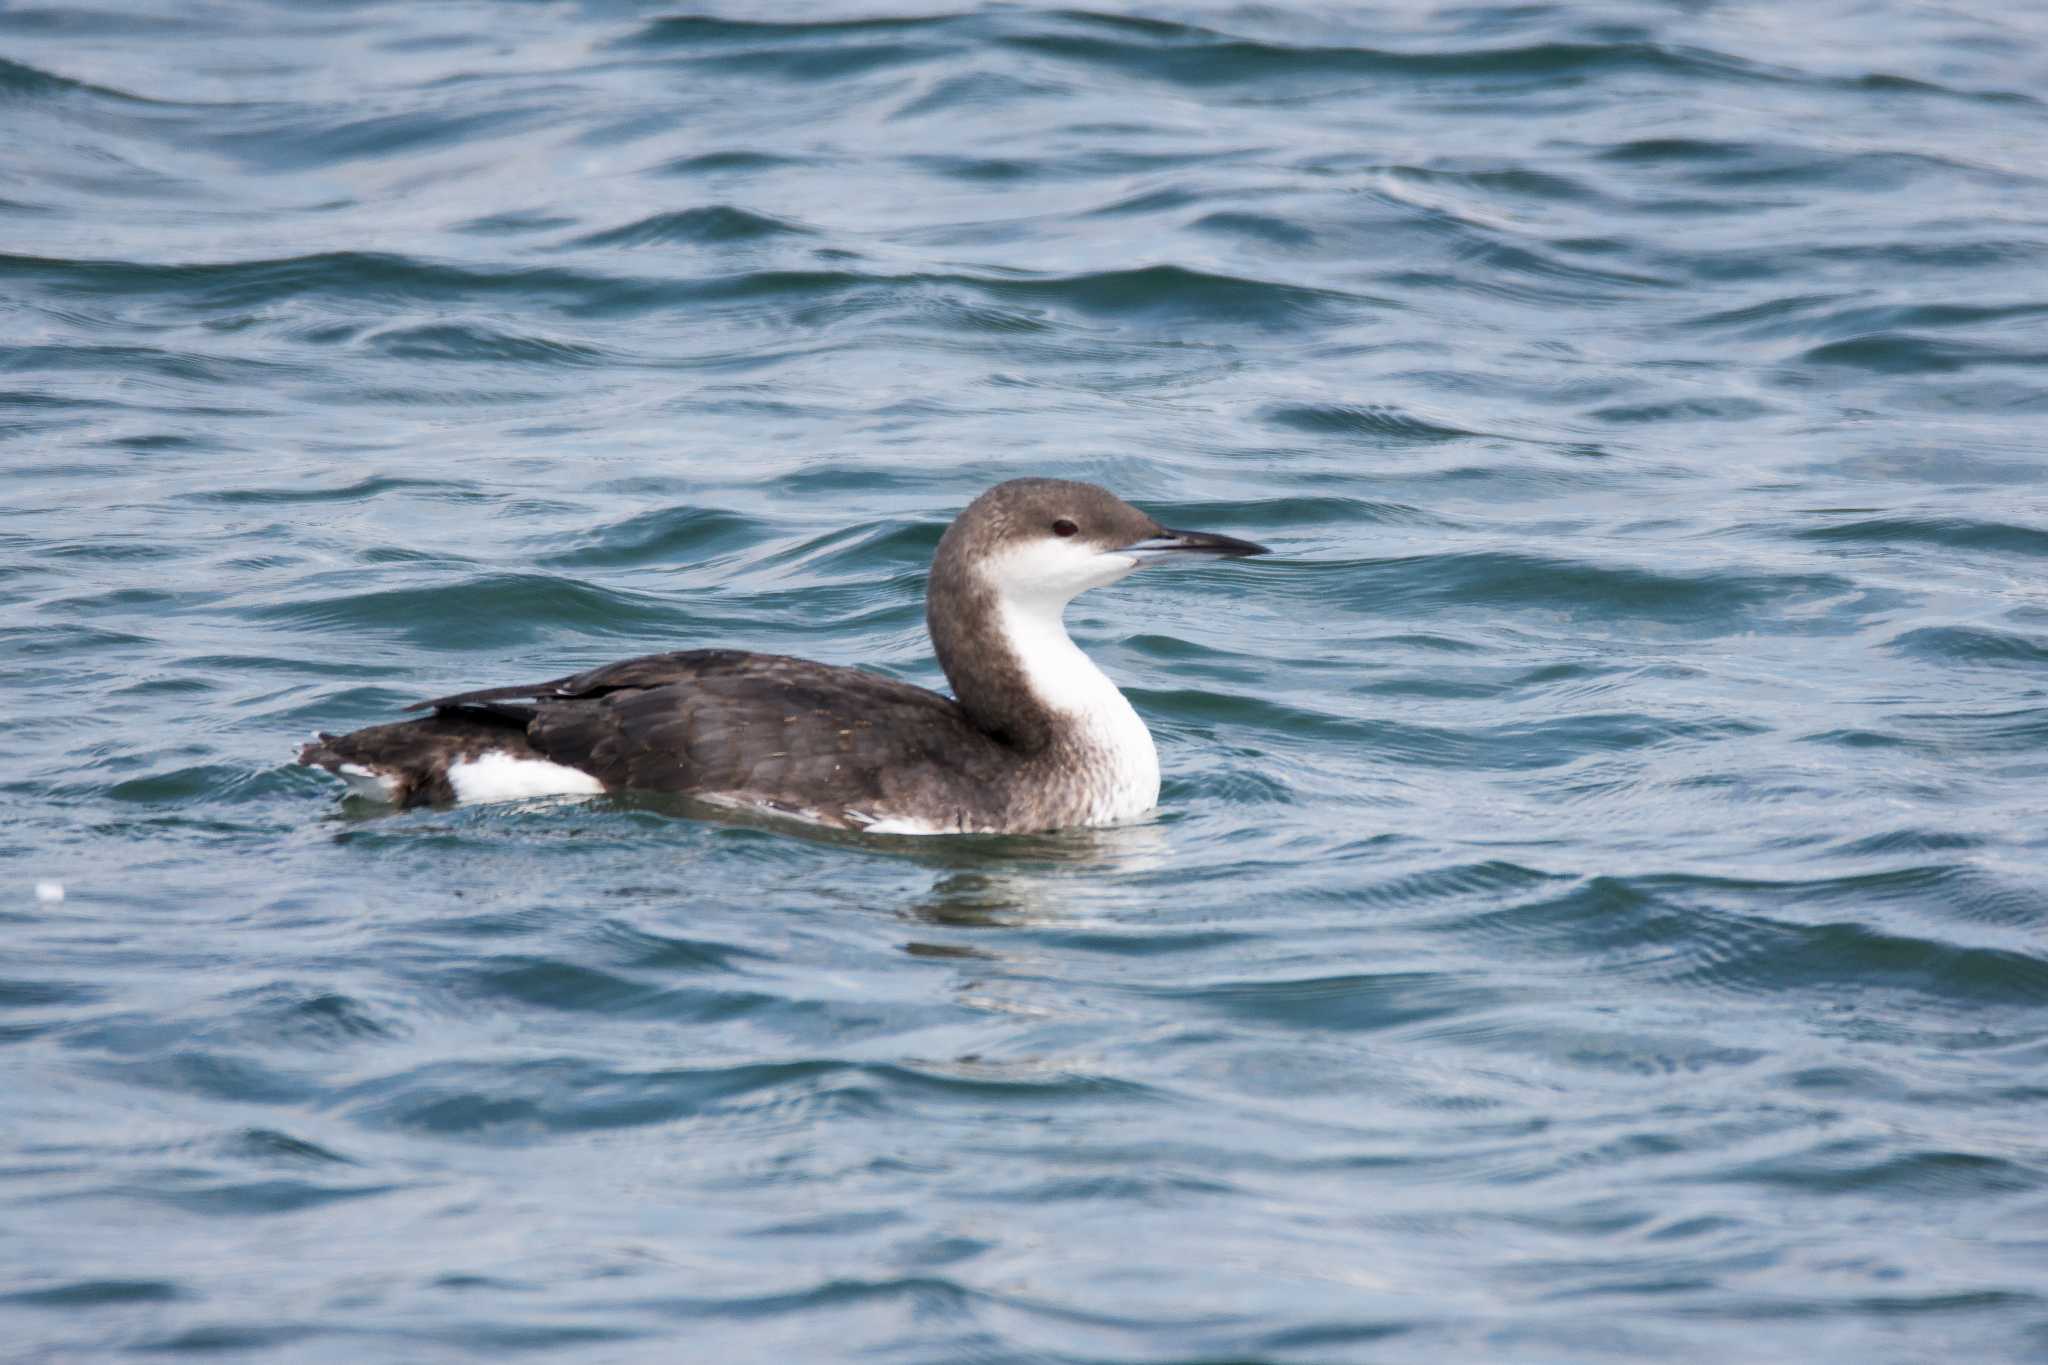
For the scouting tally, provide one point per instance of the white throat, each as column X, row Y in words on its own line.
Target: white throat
column 1122, row 766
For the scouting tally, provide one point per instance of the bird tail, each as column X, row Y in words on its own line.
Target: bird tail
column 407, row 764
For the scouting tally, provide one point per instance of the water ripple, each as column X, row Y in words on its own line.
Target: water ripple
column 711, row 223
column 1600, row 851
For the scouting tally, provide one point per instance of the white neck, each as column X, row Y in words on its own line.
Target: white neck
column 1122, row 766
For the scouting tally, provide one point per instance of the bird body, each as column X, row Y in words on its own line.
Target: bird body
column 1036, row 737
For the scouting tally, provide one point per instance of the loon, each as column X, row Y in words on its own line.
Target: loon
column 1034, row 738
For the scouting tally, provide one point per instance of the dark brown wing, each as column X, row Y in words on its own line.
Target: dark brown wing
column 649, row 670
column 843, row 745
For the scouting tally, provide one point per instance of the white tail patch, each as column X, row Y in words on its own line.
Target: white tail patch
column 499, row 776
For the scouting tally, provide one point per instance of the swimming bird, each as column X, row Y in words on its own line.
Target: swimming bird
column 1035, row 737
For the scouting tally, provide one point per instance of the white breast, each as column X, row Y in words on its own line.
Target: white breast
column 1121, row 765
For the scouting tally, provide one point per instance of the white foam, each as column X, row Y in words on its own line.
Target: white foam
column 49, row 893
column 499, row 776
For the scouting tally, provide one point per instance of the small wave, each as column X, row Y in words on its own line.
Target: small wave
column 72, row 640
column 184, row 365
column 1886, row 81
column 221, row 1338
column 975, row 94
column 1513, row 746
column 690, row 30
column 229, row 1198
column 354, row 275
column 1859, row 321
column 999, row 170
column 191, row 1070
column 313, row 1018
column 1913, row 353
column 1726, row 167
column 1295, row 513
column 272, row 1147
column 1972, row 645
column 491, row 611
column 1910, row 843
column 1949, row 251
column 1373, row 421
column 1149, row 201
column 1723, row 408
column 1952, row 533
column 807, row 52
column 706, row 225
column 41, row 994
column 1151, row 293
column 360, row 491
column 1172, row 291
column 1493, row 185
column 1679, row 149
column 1263, row 227
column 562, row 1094
column 514, row 222
column 672, row 534
column 1702, row 933
column 1704, row 603
column 20, row 81
column 1870, row 1167
column 1197, row 57
column 1517, row 270
column 992, row 170
column 320, row 143
column 2017, row 729
column 114, row 551
column 734, row 161
column 1776, row 958
column 645, row 950
column 478, row 343
column 88, row 1294
column 554, row 984
column 854, row 548
column 1348, row 1004
column 1461, row 884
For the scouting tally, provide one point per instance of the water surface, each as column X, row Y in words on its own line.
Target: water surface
column 1596, row 907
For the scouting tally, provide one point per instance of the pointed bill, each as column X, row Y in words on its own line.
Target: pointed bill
column 1172, row 544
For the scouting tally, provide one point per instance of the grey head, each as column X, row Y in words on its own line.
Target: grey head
column 1008, row 566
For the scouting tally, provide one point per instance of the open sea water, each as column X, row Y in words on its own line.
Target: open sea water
column 1596, row 910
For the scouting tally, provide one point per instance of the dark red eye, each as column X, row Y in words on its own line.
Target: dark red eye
column 1063, row 527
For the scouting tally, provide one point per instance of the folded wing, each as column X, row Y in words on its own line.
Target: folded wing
column 835, row 744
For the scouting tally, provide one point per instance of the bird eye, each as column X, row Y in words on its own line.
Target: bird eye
column 1063, row 527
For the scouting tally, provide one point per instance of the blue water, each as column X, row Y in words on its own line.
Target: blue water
column 1596, row 909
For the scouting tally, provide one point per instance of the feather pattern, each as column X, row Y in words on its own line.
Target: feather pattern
column 1039, row 738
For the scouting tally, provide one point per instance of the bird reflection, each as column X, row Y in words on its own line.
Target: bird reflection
column 1020, row 882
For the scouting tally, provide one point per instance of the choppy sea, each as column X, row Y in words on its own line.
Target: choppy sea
column 1597, row 907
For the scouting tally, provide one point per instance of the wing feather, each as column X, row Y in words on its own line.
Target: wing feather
column 841, row 743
